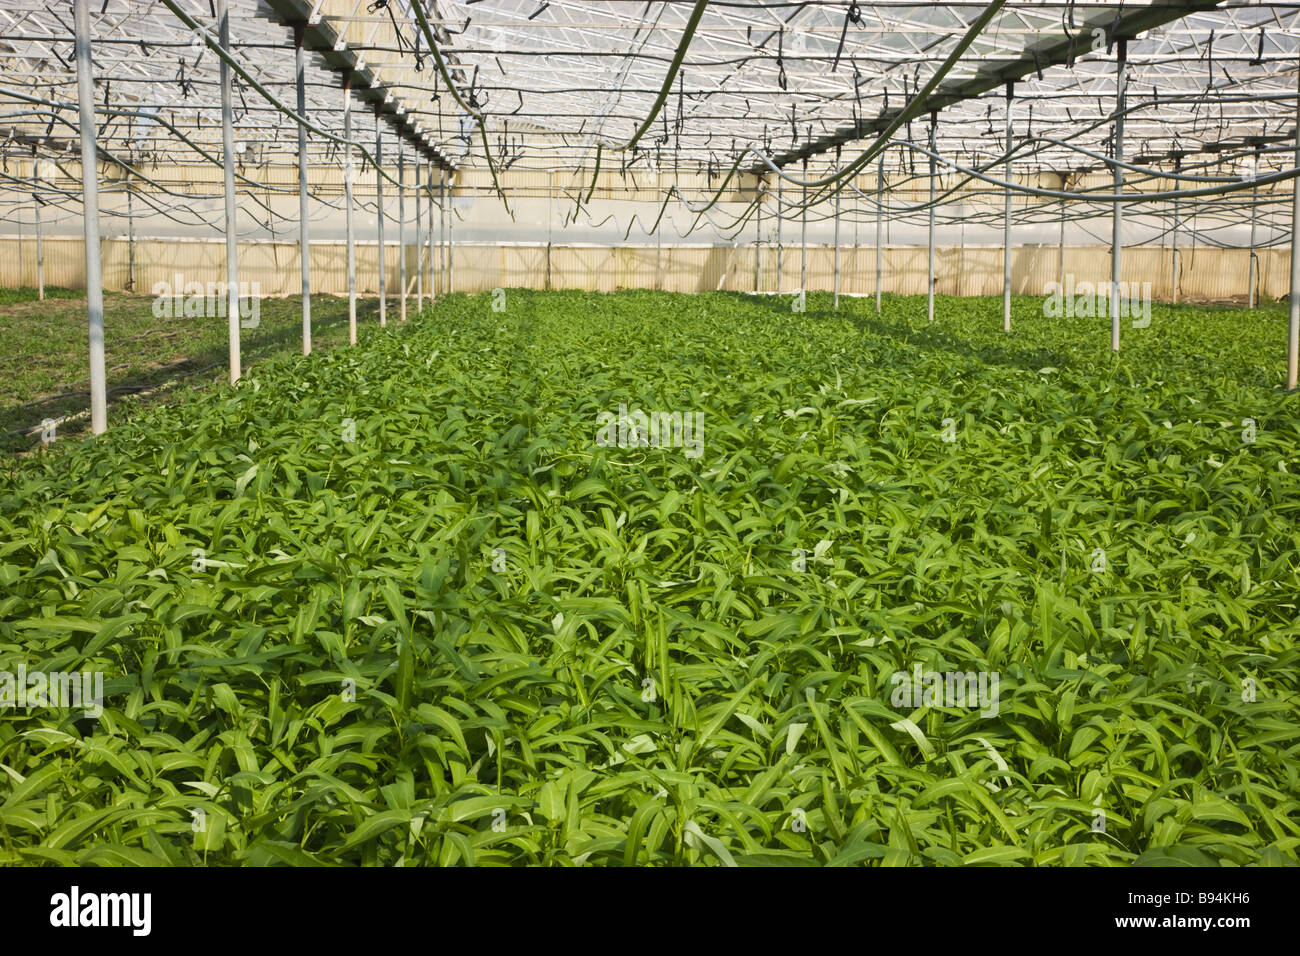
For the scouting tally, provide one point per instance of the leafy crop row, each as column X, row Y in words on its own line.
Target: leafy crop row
column 395, row 604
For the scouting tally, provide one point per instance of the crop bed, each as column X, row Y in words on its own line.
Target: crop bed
column 44, row 371
column 397, row 605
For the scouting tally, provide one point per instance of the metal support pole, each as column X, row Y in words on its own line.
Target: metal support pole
column 419, row 245
column 659, row 243
column 1006, row 226
column 90, row 218
column 401, row 228
column 442, row 232
column 803, row 237
column 451, row 242
column 854, row 269
column 379, row 214
column 659, row 257
column 930, row 285
column 960, row 284
column 130, row 238
column 1253, row 297
column 40, row 253
column 304, row 245
column 550, row 219
column 780, row 214
column 349, row 174
column 1060, row 246
column 433, row 249
column 880, row 209
column 228, row 170
column 1173, row 279
column 1293, row 328
column 837, row 247
column 1117, row 217
column 758, row 239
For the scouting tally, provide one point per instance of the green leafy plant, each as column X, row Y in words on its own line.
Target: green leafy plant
column 395, row 605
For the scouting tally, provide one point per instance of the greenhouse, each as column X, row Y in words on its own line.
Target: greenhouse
column 667, row 433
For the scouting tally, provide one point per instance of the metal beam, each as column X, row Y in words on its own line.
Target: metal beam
column 325, row 42
column 1050, row 49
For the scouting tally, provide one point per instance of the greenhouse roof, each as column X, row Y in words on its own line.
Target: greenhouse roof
column 529, row 84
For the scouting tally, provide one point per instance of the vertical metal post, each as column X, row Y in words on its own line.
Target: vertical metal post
column 451, row 242
column 960, row 284
column 758, row 238
column 130, row 237
column 1006, row 225
column 856, row 209
column 659, row 256
column 433, row 249
column 930, row 284
column 228, row 171
column 837, row 247
column 1253, row 298
column 436, row 277
column 419, row 244
column 401, row 228
column 379, row 213
column 1173, row 279
column 90, row 218
column 40, row 253
column 442, row 232
column 349, row 174
column 1293, row 327
column 1117, row 216
column 304, row 245
column 880, row 211
column 780, row 214
column 1060, row 247
column 550, row 218
column 803, row 237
